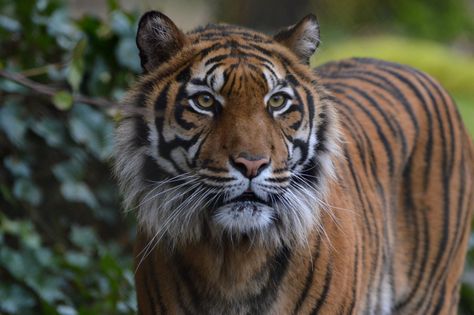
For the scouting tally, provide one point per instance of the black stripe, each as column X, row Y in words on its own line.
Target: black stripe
column 278, row 266
column 326, row 287
column 354, row 281
column 156, row 286
column 429, row 146
column 152, row 172
column 368, row 144
column 149, row 296
column 385, row 142
column 374, row 235
column 184, row 75
column 309, row 280
column 189, row 280
column 141, row 132
column 277, row 179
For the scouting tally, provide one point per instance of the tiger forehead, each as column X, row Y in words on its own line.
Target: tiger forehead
column 236, row 58
column 219, row 32
column 236, row 76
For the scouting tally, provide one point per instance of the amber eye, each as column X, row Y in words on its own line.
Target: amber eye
column 204, row 100
column 277, row 100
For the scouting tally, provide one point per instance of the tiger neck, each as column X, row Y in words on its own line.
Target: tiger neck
column 231, row 273
column 235, row 270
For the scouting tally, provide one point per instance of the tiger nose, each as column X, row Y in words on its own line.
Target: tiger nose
column 249, row 166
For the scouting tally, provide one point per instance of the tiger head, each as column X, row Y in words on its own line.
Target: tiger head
column 227, row 136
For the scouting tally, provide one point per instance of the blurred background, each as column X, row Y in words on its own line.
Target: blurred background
column 65, row 244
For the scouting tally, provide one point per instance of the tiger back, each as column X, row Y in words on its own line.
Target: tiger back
column 265, row 187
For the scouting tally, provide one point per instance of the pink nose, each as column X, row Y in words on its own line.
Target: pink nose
column 251, row 168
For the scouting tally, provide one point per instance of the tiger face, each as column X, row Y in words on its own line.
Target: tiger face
column 235, row 140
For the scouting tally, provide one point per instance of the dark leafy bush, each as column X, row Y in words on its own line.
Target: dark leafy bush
column 65, row 247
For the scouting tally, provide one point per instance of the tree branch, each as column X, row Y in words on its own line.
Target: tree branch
column 47, row 90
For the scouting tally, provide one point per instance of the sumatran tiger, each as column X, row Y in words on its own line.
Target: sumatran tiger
column 263, row 186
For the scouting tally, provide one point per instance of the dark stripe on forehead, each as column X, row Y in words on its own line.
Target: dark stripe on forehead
column 213, row 68
column 198, row 81
column 240, row 55
column 270, row 69
column 211, row 36
column 291, row 78
column 257, row 75
column 206, row 51
column 184, row 75
column 216, row 59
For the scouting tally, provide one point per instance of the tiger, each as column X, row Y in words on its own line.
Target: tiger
column 264, row 186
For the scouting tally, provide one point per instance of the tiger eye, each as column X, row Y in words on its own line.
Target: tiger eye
column 276, row 100
column 205, row 100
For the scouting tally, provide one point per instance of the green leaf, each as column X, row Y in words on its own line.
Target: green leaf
column 62, row 28
column 51, row 130
column 15, row 300
column 77, row 259
column 26, row 190
column 121, row 24
column 12, row 87
column 66, row 310
column 75, row 73
column 48, row 287
column 71, row 170
column 76, row 66
column 17, row 167
column 126, row 54
column 83, row 237
column 13, row 123
column 9, row 24
column 78, row 192
column 91, row 127
column 63, row 100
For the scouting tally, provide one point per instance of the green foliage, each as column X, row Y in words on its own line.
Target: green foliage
column 431, row 19
column 89, row 277
column 64, row 246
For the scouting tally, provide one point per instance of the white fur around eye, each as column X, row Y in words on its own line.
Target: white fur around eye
column 199, row 110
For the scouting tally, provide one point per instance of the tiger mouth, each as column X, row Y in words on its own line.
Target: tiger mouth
column 248, row 197
column 244, row 214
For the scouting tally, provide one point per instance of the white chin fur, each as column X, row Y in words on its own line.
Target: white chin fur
column 243, row 217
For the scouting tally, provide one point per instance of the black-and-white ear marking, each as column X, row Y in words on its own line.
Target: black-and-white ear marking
column 158, row 38
column 302, row 38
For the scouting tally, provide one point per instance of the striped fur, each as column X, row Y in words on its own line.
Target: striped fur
column 364, row 208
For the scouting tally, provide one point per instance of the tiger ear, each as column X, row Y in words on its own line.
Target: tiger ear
column 158, row 38
column 301, row 38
